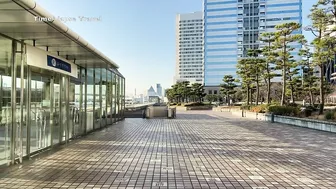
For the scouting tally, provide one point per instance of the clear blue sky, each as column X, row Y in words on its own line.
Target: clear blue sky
column 139, row 35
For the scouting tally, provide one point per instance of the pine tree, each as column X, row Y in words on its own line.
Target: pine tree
column 284, row 37
column 323, row 45
column 257, row 68
column 268, row 38
column 245, row 72
column 228, row 87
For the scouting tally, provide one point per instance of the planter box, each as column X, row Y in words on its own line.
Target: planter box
column 199, row 108
column 307, row 123
column 181, row 108
column 300, row 122
column 226, row 109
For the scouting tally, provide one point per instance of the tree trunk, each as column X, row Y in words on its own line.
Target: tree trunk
column 292, row 89
column 268, row 77
column 292, row 94
column 283, row 87
column 251, row 95
column 228, row 100
column 321, row 89
column 311, row 97
column 269, row 91
column 248, row 95
column 284, row 76
column 257, row 95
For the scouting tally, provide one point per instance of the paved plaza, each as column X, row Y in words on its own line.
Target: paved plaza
column 201, row 149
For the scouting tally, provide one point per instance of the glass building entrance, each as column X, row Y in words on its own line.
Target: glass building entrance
column 41, row 108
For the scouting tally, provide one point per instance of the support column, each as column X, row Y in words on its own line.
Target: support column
column 80, row 102
column 85, row 102
column 22, row 98
column 100, row 99
column 67, row 107
column 94, row 99
column 52, row 122
column 28, row 103
column 124, row 95
column 13, row 102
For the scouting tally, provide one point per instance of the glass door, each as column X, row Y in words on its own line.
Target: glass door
column 64, row 108
column 5, row 118
column 40, row 128
column 75, row 106
column 56, row 109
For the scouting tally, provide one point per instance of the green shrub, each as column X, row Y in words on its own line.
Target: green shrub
column 309, row 110
column 237, row 104
column 179, row 104
column 283, row 110
column 275, row 103
column 329, row 115
column 173, row 104
column 246, row 107
column 260, row 108
column 329, row 104
column 293, row 105
column 194, row 104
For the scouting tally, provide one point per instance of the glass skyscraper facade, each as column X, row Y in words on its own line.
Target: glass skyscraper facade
column 231, row 27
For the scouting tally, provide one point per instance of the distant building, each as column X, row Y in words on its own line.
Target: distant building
column 151, row 92
column 189, row 47
column 232, row 27
column 159, row 90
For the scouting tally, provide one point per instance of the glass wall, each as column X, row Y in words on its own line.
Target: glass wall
column 114, row 97
column 5, row 99
column 40, row 128
column 103, row 98
column 41, row 108
column 109, row 86
column 90, row 100
column 97, row 99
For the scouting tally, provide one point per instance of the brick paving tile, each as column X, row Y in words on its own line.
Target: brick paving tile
column 199, row 149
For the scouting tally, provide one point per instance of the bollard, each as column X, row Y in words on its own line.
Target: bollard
column 143, row 114
column 272, row 118
column 242, row 113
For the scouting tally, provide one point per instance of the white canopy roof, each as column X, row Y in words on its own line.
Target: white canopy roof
column 17, row 21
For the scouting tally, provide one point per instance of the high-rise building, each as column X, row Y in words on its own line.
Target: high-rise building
column 189, row 47
column 159, row 89
column 151, row 92
column 231, row 27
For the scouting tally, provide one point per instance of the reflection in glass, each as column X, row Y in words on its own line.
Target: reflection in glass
column 56, row 110
column 75, row 106
column 40, row 112
column 97, row 103
column 109, row 97
column 51, row 107
column 90, row 100
column 103, row 97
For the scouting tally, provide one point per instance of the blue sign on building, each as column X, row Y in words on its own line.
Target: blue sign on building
column 59, row 64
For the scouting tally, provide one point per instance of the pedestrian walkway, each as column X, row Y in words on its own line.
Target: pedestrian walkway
column 201, row 149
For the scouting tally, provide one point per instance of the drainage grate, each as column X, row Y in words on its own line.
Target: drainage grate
column 212, row 179
column 159, row 184
column 256, row 177
column 167, row 169
column 122, row 180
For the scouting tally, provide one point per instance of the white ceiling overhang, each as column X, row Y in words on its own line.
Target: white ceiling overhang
column 17, row 21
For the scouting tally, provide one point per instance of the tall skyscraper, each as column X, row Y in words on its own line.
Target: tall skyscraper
column 189, row 47
column 159, row 89
column 151, row 92
column 231, row 27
